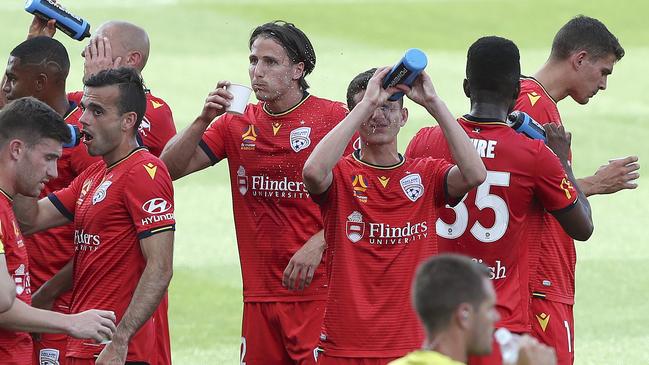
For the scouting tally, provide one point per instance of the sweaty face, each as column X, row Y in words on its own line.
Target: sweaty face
column 19, row 81
column 101, row 120
column 384, row 124
column 37, row 166
column 483, row 325
column 592, row 77
column 272, row 73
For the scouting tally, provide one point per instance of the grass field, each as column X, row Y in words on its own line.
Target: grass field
column 196, row 43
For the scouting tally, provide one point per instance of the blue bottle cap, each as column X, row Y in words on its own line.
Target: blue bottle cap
column 415, row 59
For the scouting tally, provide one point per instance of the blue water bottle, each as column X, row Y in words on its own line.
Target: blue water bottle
column 405, row 71
column 521, row 122
column 67, row 22
column 75, row 139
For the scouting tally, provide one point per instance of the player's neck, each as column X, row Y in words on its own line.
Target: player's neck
column 450, row 344
column 59, row 102
column 489, row 111
column 380, row 155
column 552, row 76
column 286, row 102
column 120, row 152
column 8, row 181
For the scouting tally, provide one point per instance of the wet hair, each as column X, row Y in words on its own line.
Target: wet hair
column 295, row 42
column 31, row 120
column 358, row 84
column 493, row 68
column 583, row 33
column 443, row 283
column 131, row 90
column 43, row 52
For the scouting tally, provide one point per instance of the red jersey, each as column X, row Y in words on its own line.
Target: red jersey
column 378, row 227
column 113, row 208
column 50, row 250
column 491, row 225
column 157, row 126
column 553, row 250
column 273, row 213
column 15, row 347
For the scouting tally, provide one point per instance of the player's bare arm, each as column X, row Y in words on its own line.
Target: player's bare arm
column 182, row 155
column 302, row 266
column 469, row 171
column 93, row 324
column 618, row 174
column 35, row 215
column 7, row 286
column 58, row 285
column 317, row 173
column 577, row 222
column 158, row 254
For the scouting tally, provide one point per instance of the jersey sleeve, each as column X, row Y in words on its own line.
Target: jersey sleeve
column 65, row 200
column 553, row 188
column 326, row 196
column 149, row 199
column 214, row 138
column 439, row 170
column 426, row 143
column 158, row 126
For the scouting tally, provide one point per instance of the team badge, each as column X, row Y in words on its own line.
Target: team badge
column 242, row 180
column 534, row 97
column 84, row 190
column 145, row 126
column 151, row 169
column 21, row 279
column 357, row 144
column 248, row 138
column 412, row 186
column 355, row 228
column 566, row 186
column 300, row 138
column 48, row 357
column 543, row 320
column 100, row 193
column 360, row 186
column 276, row 127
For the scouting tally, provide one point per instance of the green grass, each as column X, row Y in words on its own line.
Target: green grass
column 196, row 43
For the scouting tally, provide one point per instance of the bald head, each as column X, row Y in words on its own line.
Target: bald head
column 127, row 41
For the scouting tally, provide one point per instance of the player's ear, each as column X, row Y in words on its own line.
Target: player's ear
column 464, row 315
column 578, row 58
column 16, row 148
column 128, row 120
column 298, row 70
column 404, row 116
column 465, row 87
column 134, row 59
column 40, row 82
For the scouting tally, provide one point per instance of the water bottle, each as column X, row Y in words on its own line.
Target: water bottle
column 67, row 22
column 522, row 123
column 509, row 345
column 405, row 71
column 75, row 133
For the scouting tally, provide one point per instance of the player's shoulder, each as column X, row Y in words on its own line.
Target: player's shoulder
column 533, row 95
column 155, row 103
column 75, row 96
column 326, row 104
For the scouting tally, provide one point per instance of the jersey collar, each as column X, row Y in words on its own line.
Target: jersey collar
column 482, row 121
column 305, row 96
column 136, row 150
column 6, row 195
column 357, row 156
column 541, row 86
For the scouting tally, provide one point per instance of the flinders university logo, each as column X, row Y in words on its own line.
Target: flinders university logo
column 412, row 186
column 300, row 138
column 355, row 227
column 242, row 180
column 248, row 138
column 360, row 186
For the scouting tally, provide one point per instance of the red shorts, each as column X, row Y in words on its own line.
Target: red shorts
column 281, row 333
column 50, row 349
column 162, row 341
column 77, row 361
column 494, row 358
column 554, row 325
column 333, row 360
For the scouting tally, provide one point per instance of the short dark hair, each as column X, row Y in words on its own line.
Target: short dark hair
column 443, row 283
column 295, row 42
column 43, row 52
column 31, row 120
column 493, row 67
column 358, row 84
column 583, row 33
column 132, row 97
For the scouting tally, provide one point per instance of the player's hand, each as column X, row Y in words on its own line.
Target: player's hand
column 558, row 140
column 616, row 175
column 422, row 91
column 532, row 352
column 375, row 94
column 300, row 269
column 98, row 56
column 216, row 102
column 113, row 354
column 93, row 324
column 41, row 27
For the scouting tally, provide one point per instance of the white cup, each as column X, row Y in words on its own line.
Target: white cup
column 241, row 94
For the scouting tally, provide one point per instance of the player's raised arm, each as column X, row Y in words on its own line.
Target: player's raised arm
column 317, row 173
column 182, row 154
column 618, row 174
column 35, row 215
column 7, row 286
column 469, row 171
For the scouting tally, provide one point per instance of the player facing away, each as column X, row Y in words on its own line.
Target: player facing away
column 122, row 211
column 491, row 225
column 379, row 210
column 31, row 135
column 279, row 229
column 582, row 57
column 39, row 67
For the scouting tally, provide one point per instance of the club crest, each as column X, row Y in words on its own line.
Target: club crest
column 412, row 186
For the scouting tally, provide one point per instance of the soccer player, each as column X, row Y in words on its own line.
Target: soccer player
column 31, row 134
column 379, row 210
column 582, row 57
column 266, row 148
column 122, row 209
column 39, row 67
column 456, row 302
column 492, row 224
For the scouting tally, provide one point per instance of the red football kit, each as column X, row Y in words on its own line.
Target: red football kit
column 553, row 251
column 379, row 226
column 274, row 216
column 15, row 347
column 113, row 208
